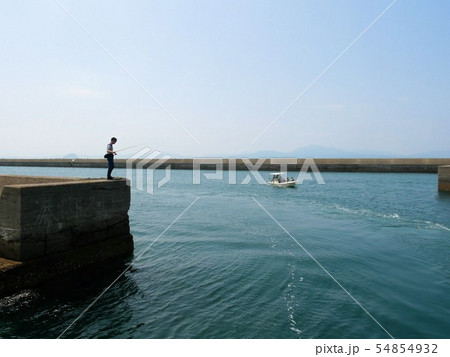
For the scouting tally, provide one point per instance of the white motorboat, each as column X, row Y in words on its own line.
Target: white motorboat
column 279, row 181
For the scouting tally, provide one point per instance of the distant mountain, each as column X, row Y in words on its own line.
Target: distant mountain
column 312, row 151
column 316, row 151
column 433, row 154
column 81, row 156
column 126, row 154
column 70, row 156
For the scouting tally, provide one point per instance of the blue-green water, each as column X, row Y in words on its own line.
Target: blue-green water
column 226, row 269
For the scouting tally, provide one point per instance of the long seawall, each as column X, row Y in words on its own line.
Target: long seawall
column 419, row 165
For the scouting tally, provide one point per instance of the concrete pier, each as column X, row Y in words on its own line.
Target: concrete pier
column 50, row 226
column 444, row 178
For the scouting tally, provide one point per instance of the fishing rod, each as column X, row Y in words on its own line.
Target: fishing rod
column 129, row 147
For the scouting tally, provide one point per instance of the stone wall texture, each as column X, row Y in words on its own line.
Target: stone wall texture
column 444, row 178
column 51, row 226
column 41, row 216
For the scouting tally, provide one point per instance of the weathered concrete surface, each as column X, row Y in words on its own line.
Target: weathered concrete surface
column 15, row 276
column 333, row 165
column 58, row 214
column 46, row 219
column 8, row 180
column 444, row 178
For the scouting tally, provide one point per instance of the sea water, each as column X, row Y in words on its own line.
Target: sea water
column 365, row 255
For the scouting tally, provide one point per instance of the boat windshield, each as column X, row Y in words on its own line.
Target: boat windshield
column 278, row 178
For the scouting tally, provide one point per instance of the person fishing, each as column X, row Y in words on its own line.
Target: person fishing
column 110, row 156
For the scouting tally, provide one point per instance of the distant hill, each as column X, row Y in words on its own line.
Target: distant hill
column 316, row 151
column 313, row 151
column 433, row 154
column 70, row 156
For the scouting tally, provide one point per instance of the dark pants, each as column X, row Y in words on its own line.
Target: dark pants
column 110, row 165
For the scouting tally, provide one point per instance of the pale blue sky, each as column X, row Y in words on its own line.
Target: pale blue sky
column 224, row 70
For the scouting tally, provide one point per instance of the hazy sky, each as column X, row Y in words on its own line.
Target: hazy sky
column 224, row 70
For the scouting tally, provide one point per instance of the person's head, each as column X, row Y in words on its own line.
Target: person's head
column 113, row 140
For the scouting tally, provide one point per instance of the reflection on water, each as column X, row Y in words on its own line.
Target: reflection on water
column 55, row 304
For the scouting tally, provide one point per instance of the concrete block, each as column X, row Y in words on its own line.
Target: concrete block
column 50, row 215
column 20, row 275
column 444, row 178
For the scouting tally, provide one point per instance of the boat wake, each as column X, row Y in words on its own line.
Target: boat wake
column 420, row 224
column 18, row 300
column 291, row 301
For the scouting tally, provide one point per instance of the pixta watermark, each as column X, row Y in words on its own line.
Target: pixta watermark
column 141, row 166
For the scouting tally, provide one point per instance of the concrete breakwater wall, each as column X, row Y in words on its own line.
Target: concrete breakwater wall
column 444, row 178
column 332, row 165
column 50, row 226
